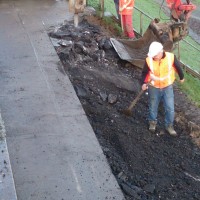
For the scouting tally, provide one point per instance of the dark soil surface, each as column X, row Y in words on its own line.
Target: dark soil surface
column 146, row 165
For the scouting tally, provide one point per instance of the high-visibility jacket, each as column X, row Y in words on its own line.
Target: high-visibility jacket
column 126, row 7
column 162, row 72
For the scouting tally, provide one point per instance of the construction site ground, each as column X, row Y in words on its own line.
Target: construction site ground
column 146, row 165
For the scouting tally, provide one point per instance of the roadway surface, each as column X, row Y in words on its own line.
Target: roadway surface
column 53, row 150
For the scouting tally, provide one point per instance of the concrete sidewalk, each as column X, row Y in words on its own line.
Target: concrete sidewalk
column 7, row 186
column 53, row 150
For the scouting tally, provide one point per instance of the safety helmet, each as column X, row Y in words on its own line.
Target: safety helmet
column 154, row 49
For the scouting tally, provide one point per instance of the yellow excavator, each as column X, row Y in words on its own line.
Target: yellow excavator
column 167, row 33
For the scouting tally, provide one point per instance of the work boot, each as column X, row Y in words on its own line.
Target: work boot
column 152, row 126
column 170, row 130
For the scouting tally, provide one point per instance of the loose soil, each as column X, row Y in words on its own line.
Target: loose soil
column 146, row 165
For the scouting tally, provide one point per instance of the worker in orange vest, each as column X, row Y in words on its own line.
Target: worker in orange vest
column 159, row 71
column 126, row 11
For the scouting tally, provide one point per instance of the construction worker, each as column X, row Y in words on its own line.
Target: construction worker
column 158, row 76
column 126, row 11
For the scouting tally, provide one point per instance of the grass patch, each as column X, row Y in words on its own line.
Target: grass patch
column 112, row 26
column 191, row 88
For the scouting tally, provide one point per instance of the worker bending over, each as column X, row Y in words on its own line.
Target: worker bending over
column 159, row 71
column 126, row 11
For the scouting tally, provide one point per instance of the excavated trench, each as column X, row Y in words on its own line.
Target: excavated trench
column 146, row 165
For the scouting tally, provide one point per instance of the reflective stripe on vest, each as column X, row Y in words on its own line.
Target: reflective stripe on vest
column 126, row 6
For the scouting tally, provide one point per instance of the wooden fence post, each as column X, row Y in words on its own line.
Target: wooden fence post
column 101, row 2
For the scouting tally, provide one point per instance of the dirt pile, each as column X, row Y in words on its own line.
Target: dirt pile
column 146, row 165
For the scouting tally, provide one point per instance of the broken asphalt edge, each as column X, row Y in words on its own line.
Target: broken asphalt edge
column 7, row 185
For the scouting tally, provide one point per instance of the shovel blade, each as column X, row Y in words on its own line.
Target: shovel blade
column 127, row 112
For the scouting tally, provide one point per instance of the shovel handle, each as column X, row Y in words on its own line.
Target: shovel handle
column 136, row 100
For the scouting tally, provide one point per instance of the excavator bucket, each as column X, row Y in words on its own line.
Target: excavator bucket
column 135, row 51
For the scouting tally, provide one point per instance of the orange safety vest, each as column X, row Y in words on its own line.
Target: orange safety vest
column 126, row 7
column 162, row 73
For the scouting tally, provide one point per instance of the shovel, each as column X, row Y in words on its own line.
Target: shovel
column 128, row 111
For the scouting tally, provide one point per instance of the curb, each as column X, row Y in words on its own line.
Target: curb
column 7, row 186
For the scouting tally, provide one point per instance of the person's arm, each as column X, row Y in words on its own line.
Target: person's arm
column 145, row 72
column 178, row 68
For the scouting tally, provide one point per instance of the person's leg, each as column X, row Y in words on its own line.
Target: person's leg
column 154, row 100
column 168, row 98
column 129, row 26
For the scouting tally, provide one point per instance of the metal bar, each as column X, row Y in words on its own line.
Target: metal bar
column 141, row 23
column 143, row 13
column 191, row 71
column 101, row 2
column 191, row 45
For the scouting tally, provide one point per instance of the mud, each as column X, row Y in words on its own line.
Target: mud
column 146, row 165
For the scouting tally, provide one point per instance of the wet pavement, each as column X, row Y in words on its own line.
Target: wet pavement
column 7, row 186
column 53, row 150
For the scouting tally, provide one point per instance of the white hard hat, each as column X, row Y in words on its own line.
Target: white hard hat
column 154, row 49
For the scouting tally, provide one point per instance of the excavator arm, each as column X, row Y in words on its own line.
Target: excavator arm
column 177, row 28
column 180, row 12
